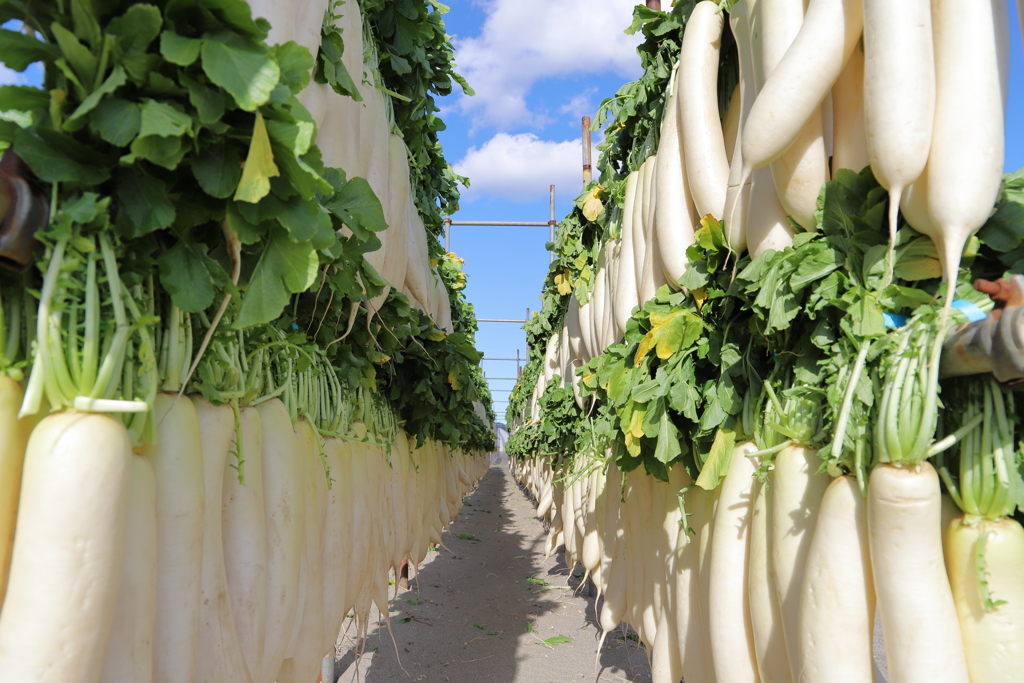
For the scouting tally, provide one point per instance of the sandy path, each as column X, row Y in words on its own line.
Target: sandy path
column 468, row 621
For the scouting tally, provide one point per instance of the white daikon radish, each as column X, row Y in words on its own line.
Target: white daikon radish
column 674, row 218
column 613, row 558
column 688, row 608
column 899, row 93
column 796, row 88
column 586, row 327
column 641, row 228
column 838, row 557
column 350, row 20
column 417, row 274
column 219, row 659
column 800, row 171
column 611, row 328
column 732, row 641
column 68, row 550
column 396, row 259
column 177, row 458
column 919, row 619
column 336, row 539
column 624, row 292
column 731, row 123
column 765, row 617
column 303, row 665
column 994, row 635
column 796, row 501
column 707, row 165
column 129, row 657
column 283, row 491
column 768, row 226
column 850, row 146
column 12, row 458
column 590, row 554
column 966, row 162
column 245, row 538
column 705, row 533
column 737, row 197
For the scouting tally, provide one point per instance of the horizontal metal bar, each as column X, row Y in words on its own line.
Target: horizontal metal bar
column 502, row 224
column 521, row 360
column 513, row 379
column 498, row 320
column 508, row 390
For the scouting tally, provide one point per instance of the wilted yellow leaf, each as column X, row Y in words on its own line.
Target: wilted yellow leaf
column 592, row 205
column 699, row 297
column 259, row 166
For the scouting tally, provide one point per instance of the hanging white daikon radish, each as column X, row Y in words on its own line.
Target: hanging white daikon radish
column 794, row 91
column 283, row 479
column 688, row 608
column 899, row 93
column 641, row 230
column 768, row 227
column 732, row 641
column 129, row 657
column 802, row 169
column 624, row 291
column 707, row 164
column 574, row 327
column 220, row 655
column 336, row 539
column 850, row 140
column 738, row 194
column 304, row 662
column 611, row 276
column 586, row 329
column 245, row 538
column 796, row 500
column 765, row 617
column 395, row 260
column 838, row 557
column 177, row 458
column 674, row 217
column 731, row 123
column 965, row 166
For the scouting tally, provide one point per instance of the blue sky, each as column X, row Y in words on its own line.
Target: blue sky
column 506, row 266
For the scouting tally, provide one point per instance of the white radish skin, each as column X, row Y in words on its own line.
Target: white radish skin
column 767, row 224
column 899, row 93
column 397, row 257
column 688, row 609
column 625, row 292
column 705, row 535
column 305, row 661
column 283, row 479
column 245, row 540
column 731, row 123
column 796, row 88
column 707, row 164
column 641, row 228
column 993, row 641
column 336, row 539
column 177, row 458
column 850, row 144
column 795, row 505
column 219, row 659
column 674, row 219
column 68, row 550
column 732, row 641
column 615, row 600
column 129, row 657
column 802, row 169
column 737, row 198
column 12, row 458
column 966, row 162
column 919, row 619
column 765, row 617
column 838, row 599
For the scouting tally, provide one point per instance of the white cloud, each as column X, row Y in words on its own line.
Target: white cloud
column 520, row 168
column 525, row 41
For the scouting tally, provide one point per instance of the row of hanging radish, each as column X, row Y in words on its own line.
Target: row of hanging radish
column 179, row 563
column 360, row 137
column 777, row 579
column 916, row 89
